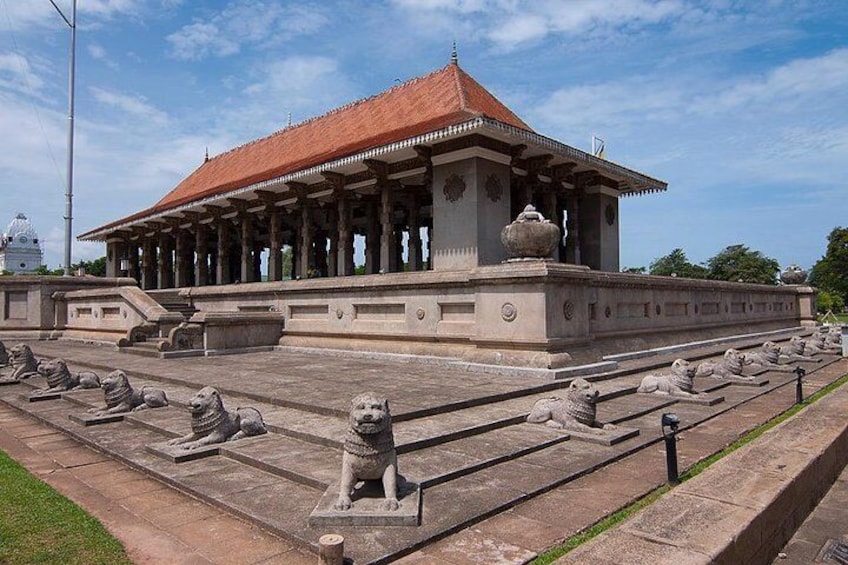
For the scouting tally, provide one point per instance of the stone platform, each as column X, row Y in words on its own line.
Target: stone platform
column 461, row 435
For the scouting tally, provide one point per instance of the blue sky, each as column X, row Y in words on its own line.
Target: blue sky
column 739, row 106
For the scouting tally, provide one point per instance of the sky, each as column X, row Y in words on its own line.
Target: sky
column 740, row 106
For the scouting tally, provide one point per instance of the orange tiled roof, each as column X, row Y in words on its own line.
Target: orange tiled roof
column 443, row 98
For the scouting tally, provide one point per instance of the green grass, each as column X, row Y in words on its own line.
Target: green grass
column 842, row 318
column 39, row 525
column 574, row 541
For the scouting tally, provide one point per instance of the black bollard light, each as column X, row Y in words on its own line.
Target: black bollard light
column 672, row 422
column 799, row 387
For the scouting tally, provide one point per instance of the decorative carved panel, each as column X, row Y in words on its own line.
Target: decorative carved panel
column 494, row 188
column 454, row 187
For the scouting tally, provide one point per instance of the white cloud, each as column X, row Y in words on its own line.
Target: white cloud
column 136, row 106
column 17, row 74
column 245, row 22
column 98, row 53
column 509, row 24
column 27, row 14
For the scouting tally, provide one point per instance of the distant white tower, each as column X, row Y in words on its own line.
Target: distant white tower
column 20, row 251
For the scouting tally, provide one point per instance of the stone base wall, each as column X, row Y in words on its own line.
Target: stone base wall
column 530, row 313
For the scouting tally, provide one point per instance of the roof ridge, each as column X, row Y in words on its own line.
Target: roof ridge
column 344, row 107
column 460, row 87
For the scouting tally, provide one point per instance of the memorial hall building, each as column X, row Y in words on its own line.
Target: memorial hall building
column 423, row 178
column 438, row 152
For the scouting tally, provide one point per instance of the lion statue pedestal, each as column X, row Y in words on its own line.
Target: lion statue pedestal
column 370, row 491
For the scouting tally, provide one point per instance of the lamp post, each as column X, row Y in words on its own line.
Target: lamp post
column 799, row 386
column 672, row 422
column 69, row 192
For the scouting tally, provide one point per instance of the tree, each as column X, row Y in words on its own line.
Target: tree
column 737, row 263
column 676, row 264
column 829, row 302
column 634, row 270
column 830, row 273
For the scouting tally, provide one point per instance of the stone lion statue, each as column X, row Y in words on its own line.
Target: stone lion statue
column 767, row 358
column 212, row 423
column 23, row 363
column 680, row 382
column 369, row 450
column 834, row 336
column 61, row 379
column 731, row 365
column 822, row 340
column 799, row 350
column 121, row 397
column 576, row 411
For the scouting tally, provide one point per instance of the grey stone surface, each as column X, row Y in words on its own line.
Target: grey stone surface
column 368, row 507
column 95, row 419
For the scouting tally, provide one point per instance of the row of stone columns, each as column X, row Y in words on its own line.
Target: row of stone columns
column 225, row 252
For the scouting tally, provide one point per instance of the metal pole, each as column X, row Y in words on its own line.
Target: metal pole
column 69, row 193
column 671, row 458
column 799, row 386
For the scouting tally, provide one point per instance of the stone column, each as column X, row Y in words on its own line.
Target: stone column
column 132, row 256
column 148, row 264
column 344, row 265
column 553, row 214
column 387, row 230
column 275, row 253
column 257, row 261
column 306, row 235
column 414, row 241
column 572, row 224
column 213, row 265
column 201, row 248
column 397, row 250
column 183, row 263
column 246, row 238
column 114, row 254
column 222, row 266
column 333, row 235
column 372, row 241
column 166, row 262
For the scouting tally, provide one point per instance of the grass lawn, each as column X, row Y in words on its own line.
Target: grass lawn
column 39, row 525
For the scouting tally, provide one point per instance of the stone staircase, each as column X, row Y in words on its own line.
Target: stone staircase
column 473, row 458
column 171, row 301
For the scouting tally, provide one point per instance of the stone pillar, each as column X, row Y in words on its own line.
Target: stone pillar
column 599, row 247
column 397, row 250
column 165, row 273
column 201, row 248
column 553, row 214
column 320, row 253
column 222, row 265
column 275, row 251
column 306, row 236
column 471, row 205
column 114, row 254
column 148, row 264
column 572, row 225
column 386, row 230
column 246, row 238
column 414, row 241
column 372, row 240
column 257, row 261
column 132, row 256
column 213, row 265
column 183, row 261
column 344, row 260
column 333, row 255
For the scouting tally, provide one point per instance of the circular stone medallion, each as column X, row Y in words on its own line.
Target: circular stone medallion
column 509, row 312
column 568, row 309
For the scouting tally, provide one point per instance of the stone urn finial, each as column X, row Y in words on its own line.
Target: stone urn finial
column 793, row 274
column 530, row 236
